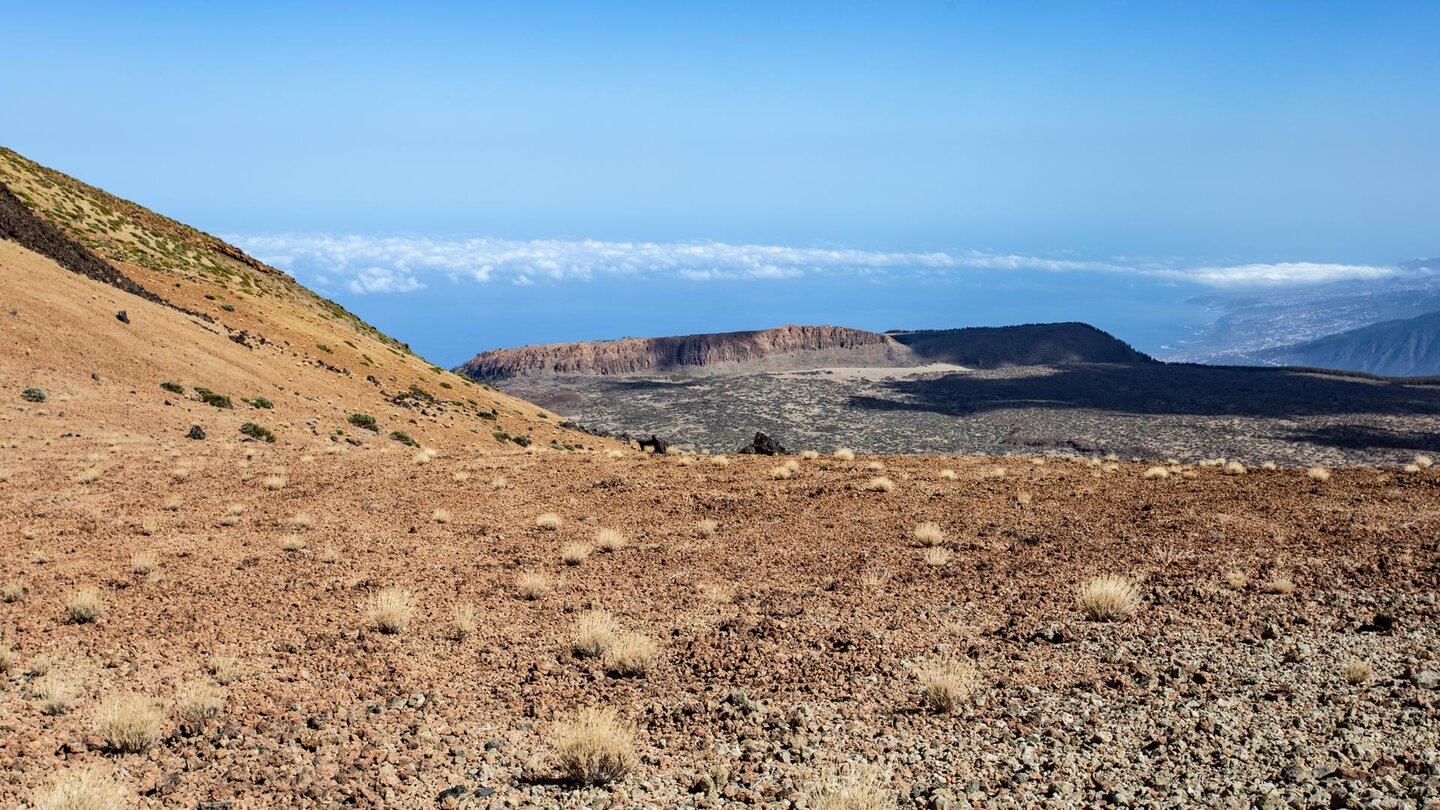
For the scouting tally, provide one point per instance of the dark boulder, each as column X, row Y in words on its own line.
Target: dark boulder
column 195, row 432
column 122, row 316
column 655, row 444
column 763, row 445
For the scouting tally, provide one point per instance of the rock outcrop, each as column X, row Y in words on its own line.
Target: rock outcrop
column 769, row 349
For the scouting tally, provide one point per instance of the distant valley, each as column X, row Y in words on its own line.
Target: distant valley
column 1038, row 388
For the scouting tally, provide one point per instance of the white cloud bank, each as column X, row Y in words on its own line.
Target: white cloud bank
column 397, row 264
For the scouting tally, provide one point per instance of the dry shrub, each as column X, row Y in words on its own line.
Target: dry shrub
column 1269, row 465
column 499, row 483
column 630, row 654
column 549, row 521
column 706, row 527
column 1357, row 672
column 614, row 453
column 532, row 586
column 881, row 484
column 928, row 534
column 610, row 541
column 390, row 609
column 1155, row 473
column 781, row 473
column 460, row 477
column 89, row 476
column 574, row 553
column 329, row 554
column 595, row 631
column 82, row 789
column 9, row 658
column 85, row 605
column 143, row 563
column 948, row 474
column 1108, row 598
column 1318, row 474
column 946, row 685
column 937, row 556
column 129, row 724
column 292, row 543
column 1422, row 461
column 302, row 520
column 440, row 516
column 1237, row 580
column 224, row 668
column 1022, row 499
column 235, row 510
column 149, row 526
column 198, row 702
column 875, row 466
column 875, row 578
column 1280, row 586
column 274, row 482
column 845, row 454
column 856, row 787
column 465, row 617
column 55, row 691
column 719, row 594
column 594, row 748
column 1411, row 468
column 12, row 591
column 719, row 461
column 173, row 503
column 810, row 455
column 1234, row 468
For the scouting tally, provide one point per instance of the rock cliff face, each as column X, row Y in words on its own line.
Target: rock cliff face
column 788, row 347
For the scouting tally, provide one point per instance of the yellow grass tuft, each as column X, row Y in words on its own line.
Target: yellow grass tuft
column 845, row 454
column 1280, row 586
column 198, row 702
column 856, row 787
column 460, row 477
column 292, row 543
column 143, row 563
column 937, row 556
column 532, row 586
column 928, row 534
column 55, row 692
column 302, row 520
column 82, row 789
column 1423, row 461
column 574, row 553
column 549, row 521
column 85, row 605
column 719, row 461
column 881, row 484
column 1155, row 473
column 595, row 631
column 9, row 659
column 330, row 554
column 1108, row 598
column 706, row 527
column 89, row 476
column 810, row 455
column 1234, row 468
column 594, row 748
column 1357, row 672
column 630, row 654
column 948, row 474
column 440, row 516
column 129, row 724
column 390, row 609
column 224, row 668
column 464, row 619
column 1237, row 580
column 610, row 541
column 1318, row 474
column 274, row 482
column 614, row 453
column 781, row 473
column 946, row 685
column 499, row 483
column 12, row 591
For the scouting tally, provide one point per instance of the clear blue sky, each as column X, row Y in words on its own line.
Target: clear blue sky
column 1202, row 135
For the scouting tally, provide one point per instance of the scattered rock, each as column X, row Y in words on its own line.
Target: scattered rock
column 762, row 445
column 122, row 316
column 195, row 433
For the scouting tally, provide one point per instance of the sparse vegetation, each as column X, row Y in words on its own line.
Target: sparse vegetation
column 363, row 420
column 1318, row 474
column 609, row 540
column 85, row 605
column 532, row 585
column 464, row 619
column 173, row 387
column 82, row 789
column 440, row 516
column 706, row 527
column 255, row 431
column 12, row 591
column 129, row 724
column 54, row 690
column 928, row 534
column 1108, row 598
column 845, row 454
column 595, row 630
column 594, row 748
column 1280, row 585
column 292, row 544
column 403, row 438
column 880, row 484
column 856, row 787
column 574, row 553
column 33, row 395
column 549, row 521
column 1155, row 473
column 213, row 399
column 390, row 609
column 143, row 563
column 1357, row 672
column 630, row 654
column 197, row 703
column 937, row 557
column 946, row 685
column 259, row 402
column 274, row 482
column 224, row 668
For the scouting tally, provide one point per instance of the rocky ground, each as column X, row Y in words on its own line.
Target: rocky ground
column 788, row 643
column 1147, row 411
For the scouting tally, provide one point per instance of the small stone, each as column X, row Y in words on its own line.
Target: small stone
column 195, row 432
column 122, row 317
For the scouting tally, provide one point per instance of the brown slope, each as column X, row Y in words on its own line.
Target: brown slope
column 317, row 362
column 784, row 347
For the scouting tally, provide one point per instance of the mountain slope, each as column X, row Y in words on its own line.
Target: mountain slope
column 1405, row 348
column 204, row 314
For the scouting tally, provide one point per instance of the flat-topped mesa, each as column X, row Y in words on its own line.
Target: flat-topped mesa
column 783, row 348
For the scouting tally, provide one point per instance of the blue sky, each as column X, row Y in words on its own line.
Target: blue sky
column 1138, row 142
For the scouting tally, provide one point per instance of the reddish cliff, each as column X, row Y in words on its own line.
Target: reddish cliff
column 785, row 347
